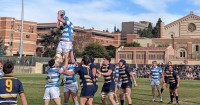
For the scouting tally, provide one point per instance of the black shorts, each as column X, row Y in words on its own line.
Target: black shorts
column 108, row 87
column 166, row 79
column 126, row 85
column 88, row 91
column 172, row 86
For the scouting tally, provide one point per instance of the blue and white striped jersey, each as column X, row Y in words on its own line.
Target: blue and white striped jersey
column 1, row 73
column 53, row 78
column 116, row 72
column 156, row 72
column 70, row 79
column 67, row 30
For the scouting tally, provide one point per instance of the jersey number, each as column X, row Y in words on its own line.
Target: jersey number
column 9, row 85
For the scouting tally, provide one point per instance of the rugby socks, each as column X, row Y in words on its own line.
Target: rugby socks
column 171, row 96
column 176, row 99
column 65, row 104
column 122, row 102
column 162, row 89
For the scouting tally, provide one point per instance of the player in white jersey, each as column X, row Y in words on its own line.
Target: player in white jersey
column 70, row 83
column 52, row 90
column 1, row 69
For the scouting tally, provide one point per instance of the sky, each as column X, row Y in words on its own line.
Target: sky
column 100, row 14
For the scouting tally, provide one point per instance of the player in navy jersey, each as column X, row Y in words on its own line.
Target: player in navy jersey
column 125, row 74
column 10, row 87
column 1, row 69
column 52, row 90
column 88, row 81
column 166, row 74
column 155, row 76
column 108, row 88
column 65, row 44
column 174, row 83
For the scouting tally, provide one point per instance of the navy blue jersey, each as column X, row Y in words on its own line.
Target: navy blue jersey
column 172, row 77
column 124, row 74
column 104, row 69
column 85, row 74
column 9, row 89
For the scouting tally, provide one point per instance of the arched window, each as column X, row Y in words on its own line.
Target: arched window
column 197, row 47
column 182, row 54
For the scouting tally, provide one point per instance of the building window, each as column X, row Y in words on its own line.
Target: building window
column 130, row 56
column 197, row 47
column 152, row 56
column 27, row 36
column 137, row 56
column 122, row 56
column 182, row 54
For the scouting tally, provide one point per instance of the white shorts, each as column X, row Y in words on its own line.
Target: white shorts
column 155, row 82
column 64, row 47
column 118, row 84
column 52, row 93
column 71, row 87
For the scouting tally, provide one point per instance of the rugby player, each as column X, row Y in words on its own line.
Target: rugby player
column 155, row 75
column 174, row 83
column 108, row 88
column 125, row 74
column 10, row 87
column 88, row 81
column 65, row 44
column 52, row 90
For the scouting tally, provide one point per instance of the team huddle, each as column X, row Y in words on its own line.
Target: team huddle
column 116, row 77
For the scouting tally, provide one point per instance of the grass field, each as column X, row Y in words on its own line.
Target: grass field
column 189, row 92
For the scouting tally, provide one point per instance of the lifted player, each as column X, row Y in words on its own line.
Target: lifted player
column 65, row 44
column 10, row 87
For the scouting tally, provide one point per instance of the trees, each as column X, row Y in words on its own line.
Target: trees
column 133, row 44
column 96, row 50
column 156, row 30
column 2, row 47
column 151, row 32
column 111, row 50
column 50, row 42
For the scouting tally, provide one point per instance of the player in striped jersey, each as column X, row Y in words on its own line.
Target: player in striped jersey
column 52, row 90
column 125, row 75
column 109, row 84
column 1, row 69
column 117, row 82
column 10, row 87
column 174, row 83
column 65, row 43
column 88, row 81
column 166, row 74
column 70, row 83
column 155, row 75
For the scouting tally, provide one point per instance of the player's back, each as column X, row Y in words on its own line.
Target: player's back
column 53, row 78
column 9, row 89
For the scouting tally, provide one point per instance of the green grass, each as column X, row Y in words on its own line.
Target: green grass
column 188, row 92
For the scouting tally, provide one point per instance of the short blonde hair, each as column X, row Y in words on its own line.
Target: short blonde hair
column 154, row 62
